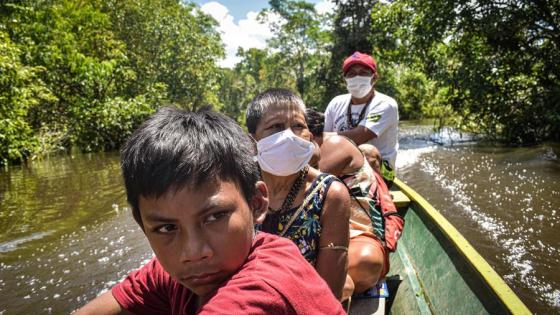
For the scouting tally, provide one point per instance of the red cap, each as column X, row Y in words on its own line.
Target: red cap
column 361, row 59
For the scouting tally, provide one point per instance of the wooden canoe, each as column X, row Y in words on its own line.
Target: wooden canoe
column 436, row 271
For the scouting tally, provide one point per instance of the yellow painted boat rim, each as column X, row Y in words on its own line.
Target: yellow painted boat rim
column 494, row 281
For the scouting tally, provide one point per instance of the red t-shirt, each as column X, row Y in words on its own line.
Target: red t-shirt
column 275, row 279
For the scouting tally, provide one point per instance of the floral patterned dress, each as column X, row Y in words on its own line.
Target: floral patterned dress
column 305, row 230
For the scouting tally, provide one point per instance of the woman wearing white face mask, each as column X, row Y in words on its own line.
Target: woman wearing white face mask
column 365, row 115
column 300, row 207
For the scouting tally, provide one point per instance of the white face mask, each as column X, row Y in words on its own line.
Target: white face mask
column 359, row 86
column 283, row 153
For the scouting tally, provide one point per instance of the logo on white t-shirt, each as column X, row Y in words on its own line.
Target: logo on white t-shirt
column 373, row 117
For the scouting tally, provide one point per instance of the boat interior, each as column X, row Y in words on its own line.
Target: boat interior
column 435, row 270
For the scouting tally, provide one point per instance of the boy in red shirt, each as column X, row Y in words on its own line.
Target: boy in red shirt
column 195, row 192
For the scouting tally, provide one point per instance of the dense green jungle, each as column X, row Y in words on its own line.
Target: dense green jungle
column 83, row 74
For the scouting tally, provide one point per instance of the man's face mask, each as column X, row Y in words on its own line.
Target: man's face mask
column 283, row 153
column 359, row 86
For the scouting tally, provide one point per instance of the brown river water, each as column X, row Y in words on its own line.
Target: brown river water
column 66, row 233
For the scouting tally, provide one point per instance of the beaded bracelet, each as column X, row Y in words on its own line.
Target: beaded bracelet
column 332, row 246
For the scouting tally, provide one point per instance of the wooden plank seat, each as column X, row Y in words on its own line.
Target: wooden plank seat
column 372, row 302
column 400, row 199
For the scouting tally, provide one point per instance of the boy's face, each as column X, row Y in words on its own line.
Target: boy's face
column 200, row 237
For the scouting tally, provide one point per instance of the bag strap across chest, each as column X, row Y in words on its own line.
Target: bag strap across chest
column 305, row 203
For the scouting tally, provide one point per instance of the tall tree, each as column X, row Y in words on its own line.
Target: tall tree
column 105, row 65
column 300, row 36
column 496, row 63
column 352, row 28
column 258, row 70
column 20, row 91
column 80, row 58
column 169, row 42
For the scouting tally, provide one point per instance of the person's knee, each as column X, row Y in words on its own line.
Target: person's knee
column 366, row 267
column 370, row 261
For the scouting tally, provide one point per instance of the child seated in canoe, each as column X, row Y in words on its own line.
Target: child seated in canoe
column 194, row 190
column 368, row 255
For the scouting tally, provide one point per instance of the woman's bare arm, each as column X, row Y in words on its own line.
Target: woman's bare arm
column 332, row 260
column 359, row 134
column 339, row 156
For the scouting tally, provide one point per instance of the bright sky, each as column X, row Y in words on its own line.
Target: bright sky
column 239, row 26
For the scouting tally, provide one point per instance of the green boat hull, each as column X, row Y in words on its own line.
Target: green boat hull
column 436, row 271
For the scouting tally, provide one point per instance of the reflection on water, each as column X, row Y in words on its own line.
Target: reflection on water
column 505, row 201
column 58, row 194
column 66, row 234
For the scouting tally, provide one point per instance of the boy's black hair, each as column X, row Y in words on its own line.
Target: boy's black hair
column 175, row 148
column 315, row 121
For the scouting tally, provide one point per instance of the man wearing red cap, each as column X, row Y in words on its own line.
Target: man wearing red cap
column 365, row 115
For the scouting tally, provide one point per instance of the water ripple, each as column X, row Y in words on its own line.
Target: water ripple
column 13, row 244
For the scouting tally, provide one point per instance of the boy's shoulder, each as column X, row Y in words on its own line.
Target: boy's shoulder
column 275, row 279
column 151, row 290
column 276, row 267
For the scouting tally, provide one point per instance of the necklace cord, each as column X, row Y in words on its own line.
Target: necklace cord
column 362, row 113
column 273, row 217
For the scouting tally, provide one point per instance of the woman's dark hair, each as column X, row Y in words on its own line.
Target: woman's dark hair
column 260, row 104
column 175, row 148
column 315, row 121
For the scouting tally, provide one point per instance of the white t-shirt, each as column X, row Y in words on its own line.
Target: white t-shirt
column 381, row 117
